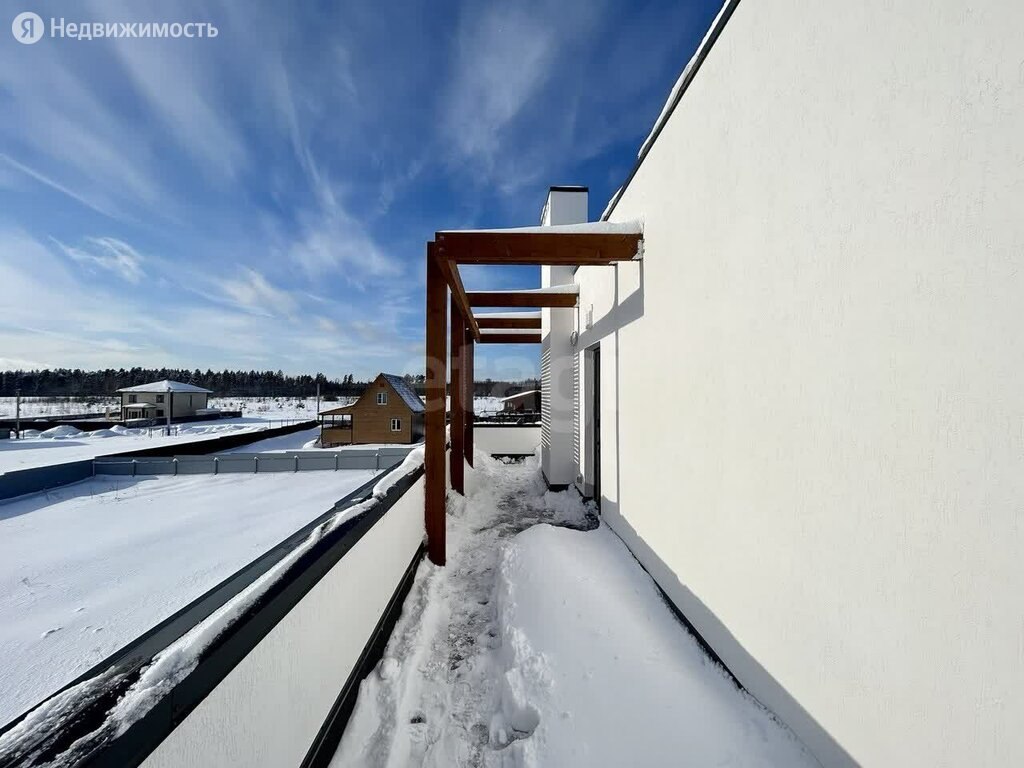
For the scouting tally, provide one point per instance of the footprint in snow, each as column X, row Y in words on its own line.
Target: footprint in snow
column 49, row 632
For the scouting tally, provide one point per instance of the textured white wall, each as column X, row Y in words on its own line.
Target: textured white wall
column 506, row 440
column 268, row 710
column 832, row 297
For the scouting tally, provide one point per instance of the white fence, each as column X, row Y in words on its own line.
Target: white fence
column 506, row 439
column 225, row 463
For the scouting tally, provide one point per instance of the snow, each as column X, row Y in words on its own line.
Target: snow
column 485, row 405
column 165, row 386
column 529, row 315
column 567, row 288
column 543, row 643
column 520, row 394
column 634, row 227
column 89, row 567
column 684, row 78
column 65, row 444
column 296, row 441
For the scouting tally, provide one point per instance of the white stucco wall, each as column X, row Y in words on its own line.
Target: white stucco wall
column 268, row 710
column 506, row 440
column 831, row 294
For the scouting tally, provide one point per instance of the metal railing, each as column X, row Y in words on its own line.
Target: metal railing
column 375, row 459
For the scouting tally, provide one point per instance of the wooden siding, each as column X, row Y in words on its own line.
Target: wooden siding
column 371, row 423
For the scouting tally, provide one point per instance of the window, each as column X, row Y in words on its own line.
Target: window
column 133, row 398
column 159, row 398
column 159, row 413
column 382, row 398
column 396, row 425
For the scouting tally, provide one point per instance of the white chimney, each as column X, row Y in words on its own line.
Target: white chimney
column 565, row 205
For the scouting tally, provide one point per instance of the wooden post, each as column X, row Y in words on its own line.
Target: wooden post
column 434, row 418
column 468, row 377
column 456, row 461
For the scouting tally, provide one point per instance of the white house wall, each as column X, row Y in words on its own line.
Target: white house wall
column 813, row 426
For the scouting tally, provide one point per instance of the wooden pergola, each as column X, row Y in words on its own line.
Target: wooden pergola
column 545, row 246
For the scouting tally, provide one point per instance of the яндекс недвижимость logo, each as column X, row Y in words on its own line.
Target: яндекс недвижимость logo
column 28, row 27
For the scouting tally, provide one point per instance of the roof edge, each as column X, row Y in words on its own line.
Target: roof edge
column 682, row 85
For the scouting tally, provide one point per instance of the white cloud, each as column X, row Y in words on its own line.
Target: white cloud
column 504, row 56
column 110, row 254
column 253, row 291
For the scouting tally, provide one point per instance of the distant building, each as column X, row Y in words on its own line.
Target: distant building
column 388, row 411
column 523, row 402
column 161, row 399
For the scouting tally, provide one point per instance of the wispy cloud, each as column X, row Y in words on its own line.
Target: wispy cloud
column 504, row 55
column 43, row 179
column 110, row 254
column 254, row 292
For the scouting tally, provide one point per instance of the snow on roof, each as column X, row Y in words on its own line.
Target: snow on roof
column 634, row 227
column 405, row 391
column 141, row 405
column 681, row 84
column 507, row 315
column 509, row 331
column 165, row 386
column 521, row 394
column 565, row 288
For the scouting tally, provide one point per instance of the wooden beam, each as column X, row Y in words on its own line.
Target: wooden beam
column 456, row 462
column 434, row 419
column 510, row 338
column 511, row 299
column 544, row 248
column 470, row 378
column 454, row 280
column 507, row 322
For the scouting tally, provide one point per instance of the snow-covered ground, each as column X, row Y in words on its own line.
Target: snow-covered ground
column 64, row 444
column 267, row 408
column 544, row 646
column 89, row 567
column 304, row 440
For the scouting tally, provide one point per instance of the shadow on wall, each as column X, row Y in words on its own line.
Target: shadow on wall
column 621, row 313
column 713, row 634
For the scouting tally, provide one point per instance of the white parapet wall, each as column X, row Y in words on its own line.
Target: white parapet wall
column 506, row 439
column 268, row 710
column 811, row 386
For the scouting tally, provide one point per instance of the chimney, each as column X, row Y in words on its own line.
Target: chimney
column 565, row 205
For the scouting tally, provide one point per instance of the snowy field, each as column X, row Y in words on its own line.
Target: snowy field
column 89, row 567
column 267, row 408
column 540, row 645
column 64, row 444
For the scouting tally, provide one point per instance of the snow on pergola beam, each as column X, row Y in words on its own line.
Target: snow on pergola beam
column 573, row 245
column 483, row 322
column 510, row 338
column 557, row 296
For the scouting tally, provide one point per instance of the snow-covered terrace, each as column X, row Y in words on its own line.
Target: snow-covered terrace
column 543, row 643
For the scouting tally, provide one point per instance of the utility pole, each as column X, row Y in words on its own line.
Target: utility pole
column 17, row 414
column 318, row 395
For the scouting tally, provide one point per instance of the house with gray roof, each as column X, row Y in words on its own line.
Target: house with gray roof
column 162, row 400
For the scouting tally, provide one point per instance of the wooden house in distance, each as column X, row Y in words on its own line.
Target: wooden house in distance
column 388, row 411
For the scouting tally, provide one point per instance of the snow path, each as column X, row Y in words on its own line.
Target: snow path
column 86, row 568
column 547, row 647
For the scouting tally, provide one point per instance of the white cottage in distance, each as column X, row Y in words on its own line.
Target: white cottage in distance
column 162, row 400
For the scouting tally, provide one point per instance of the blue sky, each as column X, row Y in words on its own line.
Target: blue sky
column 262, row 199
